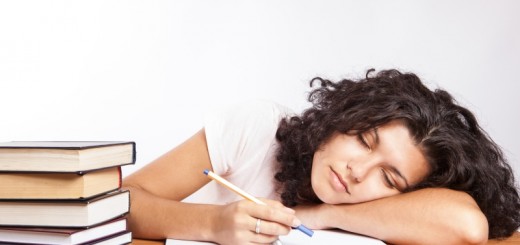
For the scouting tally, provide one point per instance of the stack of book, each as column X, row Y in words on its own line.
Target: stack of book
column 64, row 192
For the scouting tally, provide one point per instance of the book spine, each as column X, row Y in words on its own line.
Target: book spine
column 120, row 176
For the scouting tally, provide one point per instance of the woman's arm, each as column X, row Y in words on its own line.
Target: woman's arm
column 157, row 188
column 429, row 216
column 157, row 213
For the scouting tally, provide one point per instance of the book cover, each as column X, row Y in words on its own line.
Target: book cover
column 64, row 156
column 64, row 213
column 119, row 238
column 79, row 185
column 63, row 236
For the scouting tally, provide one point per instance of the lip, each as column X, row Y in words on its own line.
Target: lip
column 338, row 182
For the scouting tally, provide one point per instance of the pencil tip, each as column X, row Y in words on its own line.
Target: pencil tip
column 305, row 230
column 206, row 171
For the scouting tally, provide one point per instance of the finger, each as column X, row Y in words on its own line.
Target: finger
column 270, row 228
column 263, row 238
column 277, row 204
column 273, row 214
column 260, row 236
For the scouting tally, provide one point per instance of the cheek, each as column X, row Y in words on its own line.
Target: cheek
column 319, row 182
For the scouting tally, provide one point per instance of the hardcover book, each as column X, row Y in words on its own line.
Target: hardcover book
column 65, row 213
column 80, row 185
column 63, row 236
column 119, row 238
column 64, row 156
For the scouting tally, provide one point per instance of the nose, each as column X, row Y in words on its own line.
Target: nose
column 359, row 169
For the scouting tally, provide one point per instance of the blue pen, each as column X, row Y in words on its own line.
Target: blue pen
column 245, row 195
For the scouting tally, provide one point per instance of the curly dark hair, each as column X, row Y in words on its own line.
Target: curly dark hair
column 460, row 153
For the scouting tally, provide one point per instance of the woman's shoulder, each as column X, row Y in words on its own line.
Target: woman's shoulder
column 241, row 132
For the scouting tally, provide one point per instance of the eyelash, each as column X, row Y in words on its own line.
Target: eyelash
column 386, row 179
column 383, row 173
column 363, row 141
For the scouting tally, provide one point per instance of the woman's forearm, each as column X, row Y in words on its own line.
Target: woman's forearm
column 152, row 217
column 429, row 216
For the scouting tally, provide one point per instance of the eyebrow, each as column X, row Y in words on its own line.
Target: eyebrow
column 392, row 168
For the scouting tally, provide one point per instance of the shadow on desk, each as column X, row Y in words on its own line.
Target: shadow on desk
column 515, row 239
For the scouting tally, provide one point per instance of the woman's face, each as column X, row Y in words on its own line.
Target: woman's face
column 376, row 164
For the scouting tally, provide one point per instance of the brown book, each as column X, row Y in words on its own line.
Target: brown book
column 65, row 213
column 81, row 185
column 62, row 236
column 64, row 156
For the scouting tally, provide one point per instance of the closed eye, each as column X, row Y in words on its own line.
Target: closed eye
column 387, row 180
column 363, row 141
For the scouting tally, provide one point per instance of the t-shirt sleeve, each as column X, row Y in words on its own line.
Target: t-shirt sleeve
column 241, row 132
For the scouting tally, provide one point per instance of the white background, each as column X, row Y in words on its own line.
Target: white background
column 147, row 71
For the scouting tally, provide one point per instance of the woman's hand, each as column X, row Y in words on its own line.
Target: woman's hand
column 236, row 223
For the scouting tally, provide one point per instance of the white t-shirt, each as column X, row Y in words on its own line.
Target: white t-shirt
column 242, row 147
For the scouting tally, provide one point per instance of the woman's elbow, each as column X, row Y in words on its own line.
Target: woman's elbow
column 474, row 227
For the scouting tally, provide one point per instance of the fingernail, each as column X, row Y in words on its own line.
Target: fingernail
column 296, row 222
column 290, row 210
